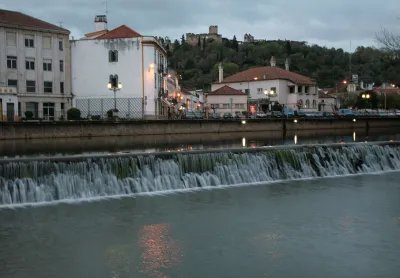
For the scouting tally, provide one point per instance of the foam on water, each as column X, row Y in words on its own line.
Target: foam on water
column 24, row 183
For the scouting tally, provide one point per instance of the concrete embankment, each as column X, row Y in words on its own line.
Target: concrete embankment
column 42, row 130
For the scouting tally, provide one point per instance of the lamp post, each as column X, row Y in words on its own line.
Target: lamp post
column 114, row 86
column 268, row 96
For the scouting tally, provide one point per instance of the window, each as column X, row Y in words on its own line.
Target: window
column 33, row 107
column 62, row 88
column 48, row 87
column 225, row 106
column 314, row 103
column 47, row 65
column 30, row 63
column 48, row 110
column 12, row 83
column 247, row 91
column 47, row 42
column 259, row 91
column 30, row 86
column 29, row 42
column 11, row 39
column 61, row 65
column 62, row 106
column 113, row 56
column 307, row 103
column 61, row 45
column 273, row 91
column 11, row 62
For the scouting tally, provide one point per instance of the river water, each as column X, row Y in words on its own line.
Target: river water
column 314, row 211
column 330, row 227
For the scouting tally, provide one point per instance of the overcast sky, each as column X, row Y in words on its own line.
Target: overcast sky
column 330, row 23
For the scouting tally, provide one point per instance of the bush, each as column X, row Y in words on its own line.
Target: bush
column 74, row 114
column 29, row 115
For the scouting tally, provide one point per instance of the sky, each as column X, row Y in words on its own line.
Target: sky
column 340, row 24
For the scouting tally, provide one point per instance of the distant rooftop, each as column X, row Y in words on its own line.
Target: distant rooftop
column 20, row 20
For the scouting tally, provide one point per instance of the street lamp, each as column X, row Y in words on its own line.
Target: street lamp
column 114, row 85
column 268, row 94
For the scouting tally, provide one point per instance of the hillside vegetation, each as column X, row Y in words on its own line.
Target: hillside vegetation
column 198, row 65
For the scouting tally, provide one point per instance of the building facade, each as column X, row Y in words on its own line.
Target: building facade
column 35, row 61
column 268, row 85
column 226, row 100
column 139, row 62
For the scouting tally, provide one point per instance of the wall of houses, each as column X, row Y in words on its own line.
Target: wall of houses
column 283, row 95
column 48, row 47
column 138, row 70
column 226, row 103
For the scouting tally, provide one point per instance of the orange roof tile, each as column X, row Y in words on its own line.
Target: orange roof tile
column 20, row 20
column 267, row 73
column 96, row 33
column 226, row 90
column 120, row 32
column 389, row 91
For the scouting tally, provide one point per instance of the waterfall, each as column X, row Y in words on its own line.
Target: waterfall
column 44, row 181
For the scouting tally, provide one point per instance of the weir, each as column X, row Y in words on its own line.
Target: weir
column 24, row 181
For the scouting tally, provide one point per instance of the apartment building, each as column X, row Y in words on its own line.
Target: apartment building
column 35, row 65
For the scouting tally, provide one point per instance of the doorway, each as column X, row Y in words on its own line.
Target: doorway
column 10, row 112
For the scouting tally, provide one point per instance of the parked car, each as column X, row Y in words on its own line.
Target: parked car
column 198, row 115
column 327, row 114
column 261, row 114
column 338, row 114
column 215, row 116
column 239, row 115
column 189, row 115
column 288, row 112
column 300, row 114
column 347, row 112
column 227, row 116
column 276, row 114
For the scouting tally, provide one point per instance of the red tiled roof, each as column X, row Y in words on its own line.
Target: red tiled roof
column 96, row 33
column 267, row 73
column 120, row 32
column 20, row 20
column 389, row 91
column 226, row 90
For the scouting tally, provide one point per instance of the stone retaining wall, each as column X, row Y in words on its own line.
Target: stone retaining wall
column 30, row 130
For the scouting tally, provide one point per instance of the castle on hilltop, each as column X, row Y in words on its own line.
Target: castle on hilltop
column 212, row 34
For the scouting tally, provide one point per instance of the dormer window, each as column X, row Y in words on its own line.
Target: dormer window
column 113, row 56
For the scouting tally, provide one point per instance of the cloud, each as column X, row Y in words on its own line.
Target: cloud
column 333, row 23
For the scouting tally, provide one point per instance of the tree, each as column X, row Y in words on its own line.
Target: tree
column 288, row 49
column 235, row 44
column 176, row 45
column 389, row 41
column 367, row 103
column 204, row 43
column 199, row 42
column 183, row 40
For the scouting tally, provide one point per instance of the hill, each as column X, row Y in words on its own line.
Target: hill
column 197, row 64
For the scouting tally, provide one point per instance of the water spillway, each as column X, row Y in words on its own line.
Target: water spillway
column 44, row 180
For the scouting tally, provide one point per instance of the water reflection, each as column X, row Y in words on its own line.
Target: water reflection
column 135, row 144
column 160, row 251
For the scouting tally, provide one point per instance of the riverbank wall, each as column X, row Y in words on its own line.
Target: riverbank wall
column 89, row 129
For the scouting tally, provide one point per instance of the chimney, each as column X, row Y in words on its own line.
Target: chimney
column 273, row 61
column 221, row 73
column 100, row 22
column 287, row 64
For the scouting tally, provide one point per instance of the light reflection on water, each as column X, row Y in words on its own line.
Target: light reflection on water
column 160, row 251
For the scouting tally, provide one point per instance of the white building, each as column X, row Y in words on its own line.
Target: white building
column 8, row 104
column 268, row 85
column 140, row 62
column 35, row 61
column 226, row 100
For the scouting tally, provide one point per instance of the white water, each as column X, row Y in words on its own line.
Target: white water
column 38, row 182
